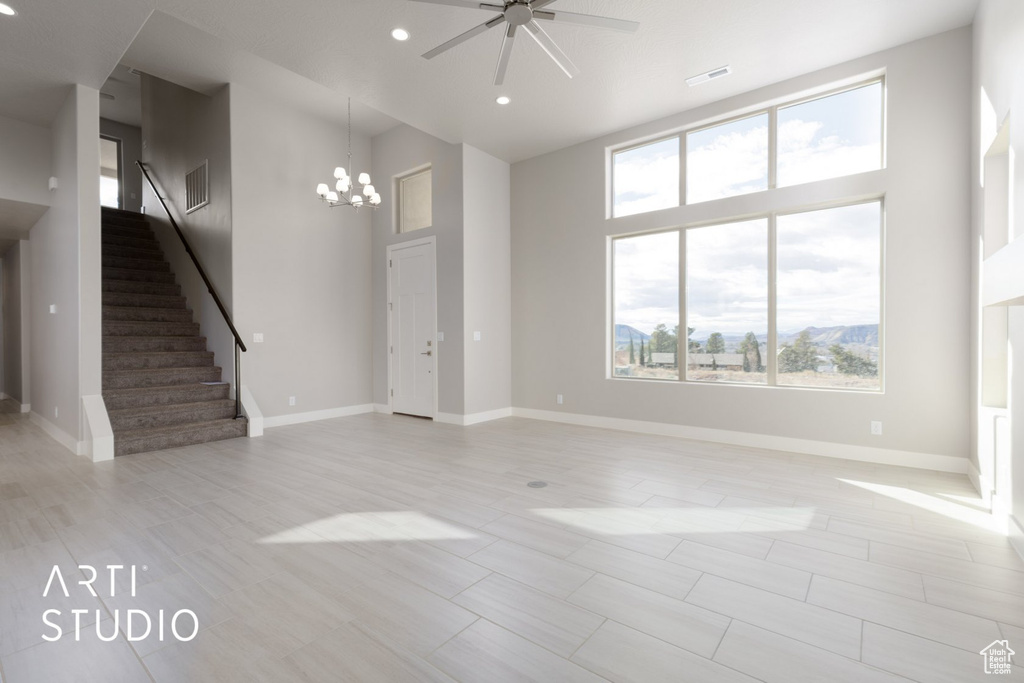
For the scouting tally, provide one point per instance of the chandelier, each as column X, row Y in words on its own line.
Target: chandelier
column 342, row 195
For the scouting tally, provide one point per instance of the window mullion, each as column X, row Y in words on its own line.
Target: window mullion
column 682, row 170
column 682, row 338
column 773, row 146
column 772, row 351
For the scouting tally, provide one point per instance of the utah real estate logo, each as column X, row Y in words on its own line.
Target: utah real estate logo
column 998, row 657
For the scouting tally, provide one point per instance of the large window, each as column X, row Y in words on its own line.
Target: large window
column 646, row 306
column 646, row 178
column 415, row 204
column 788, row 296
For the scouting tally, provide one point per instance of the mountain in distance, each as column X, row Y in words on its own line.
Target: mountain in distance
column 622, row 333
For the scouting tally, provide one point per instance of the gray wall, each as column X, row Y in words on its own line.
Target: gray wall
column 488, row 281
column 181, row 128
column 131, row 151
column 25, row 155
column 997, row 93
column 559, row 262
column 15, row 292
column 301, row 269
column 395, row 153
column 65, row 271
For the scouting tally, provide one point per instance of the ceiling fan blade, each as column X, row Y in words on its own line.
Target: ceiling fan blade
column 504, row 55
column 475, row 31
column 561, row 17
column 537, row 4
column 548, row 45
column 468, row 4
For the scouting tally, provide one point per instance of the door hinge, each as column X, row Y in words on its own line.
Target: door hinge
column 390, row 306
column 389, row 263
column 392, row 348
column 392, row 392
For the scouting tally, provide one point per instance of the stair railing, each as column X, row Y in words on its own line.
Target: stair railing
column 239, row 344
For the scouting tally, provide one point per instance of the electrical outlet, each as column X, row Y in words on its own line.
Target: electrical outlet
column 291, row 400
column 558, row 399
column 476, row 336
column 53, row 309
column 876, row 427
column 257, row 337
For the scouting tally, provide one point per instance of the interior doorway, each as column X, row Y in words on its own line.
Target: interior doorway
column 111, row 185
column 412, row 328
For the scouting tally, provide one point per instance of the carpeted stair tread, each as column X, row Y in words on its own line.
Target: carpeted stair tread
column 140, row 253
column 131, row 241
column 158, row 377
column 160, row 438
column 139, row 233
column 174, row 414
column 152, row 344
column 132, row 287
column 145, row 328
column 138, row 313
column 135, row 264
column 157, row 359
column 138, row 397
column 135, row 275
column 140, row 300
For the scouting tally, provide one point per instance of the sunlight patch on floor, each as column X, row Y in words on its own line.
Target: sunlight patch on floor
column 354, row 527
column 947, row 508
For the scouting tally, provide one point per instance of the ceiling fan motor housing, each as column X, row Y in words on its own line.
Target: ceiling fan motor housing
column 518, row 14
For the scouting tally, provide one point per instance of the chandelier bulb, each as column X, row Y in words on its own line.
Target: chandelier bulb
column 321, row 190
column 364, row 178
column 332, row 196
column 339, row 173
column 357, row 200
column 369, row 191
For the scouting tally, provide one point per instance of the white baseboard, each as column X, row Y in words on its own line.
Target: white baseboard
column 473, row 418
column 100, row 441
column 382, row 408
column 976, row 479
column 1016, row 534
column 58, row 434
column 883, row 456
column 313, row 416
column 252, row 413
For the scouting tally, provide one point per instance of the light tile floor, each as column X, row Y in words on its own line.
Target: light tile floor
column 380, row 548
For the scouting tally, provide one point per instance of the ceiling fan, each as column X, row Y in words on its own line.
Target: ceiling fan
column 525, row 13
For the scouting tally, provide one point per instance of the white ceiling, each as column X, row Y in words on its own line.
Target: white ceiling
column 126, row 106
column 344, row 45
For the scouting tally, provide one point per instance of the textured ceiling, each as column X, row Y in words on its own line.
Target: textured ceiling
column 344, row 45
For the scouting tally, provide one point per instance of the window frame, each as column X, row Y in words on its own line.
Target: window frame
column 772, row 110
column 400, row 195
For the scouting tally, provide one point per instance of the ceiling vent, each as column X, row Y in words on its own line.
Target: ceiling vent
column 709, row 75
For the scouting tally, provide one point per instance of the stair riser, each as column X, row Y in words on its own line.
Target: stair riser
column 135, row 264
column 153, row 344
column 110, row 250
column 227, row 429
column 142, row 300
column 133, row 275
column 114, row 219
column 164, row 315
column 149, row 361
column 131, row 242
column 134, row 379
column 215, row 410
column 162, row 396
column 126, row 328
column 120, row 231
column 154, row 288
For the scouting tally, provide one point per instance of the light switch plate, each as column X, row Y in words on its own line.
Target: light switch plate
column 440, row 336
column 476, row 336
column 257, row 337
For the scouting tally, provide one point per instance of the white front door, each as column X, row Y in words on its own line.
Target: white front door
column 412, row 305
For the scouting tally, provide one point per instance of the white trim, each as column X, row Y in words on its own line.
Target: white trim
column 883, row 456
column 1015, row 532
column 252, row 412
column 473, row 418
column 58, row 434
column 382, row 408
column 313, row 416
column 100, row 442
column 976, row 479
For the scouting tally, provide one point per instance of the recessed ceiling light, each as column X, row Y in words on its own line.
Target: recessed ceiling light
column 709, row 75
column 399, row 34
column 7, row 9
column 503, row 100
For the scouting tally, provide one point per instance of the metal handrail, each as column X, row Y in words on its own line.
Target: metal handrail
column 239, row 344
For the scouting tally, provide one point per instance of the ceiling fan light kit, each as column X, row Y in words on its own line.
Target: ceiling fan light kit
column 525, row 14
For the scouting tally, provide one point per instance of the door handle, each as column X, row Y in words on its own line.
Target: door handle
column 427, row 353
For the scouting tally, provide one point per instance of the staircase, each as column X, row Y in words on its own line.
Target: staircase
column 154, row 361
